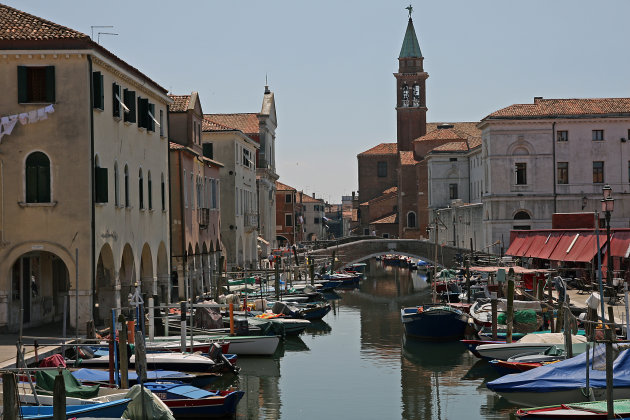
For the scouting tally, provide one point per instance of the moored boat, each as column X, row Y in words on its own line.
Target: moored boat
column 434, row 322
column 112, row 409
column 187, row 401
column 586, row 410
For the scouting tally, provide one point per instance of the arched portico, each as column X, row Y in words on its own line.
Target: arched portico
column 106, row 294
column 127, row 275
column 147, row 282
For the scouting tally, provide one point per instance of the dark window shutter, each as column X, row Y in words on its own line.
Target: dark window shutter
column 150, row 122
column 50, row 84
column 163, row 197
column 116, row 105
column 130, row 102
column 22, row 85
column 207, row 151
column 98, row 94
column 150, row 193
column 31, row 184
column 143, row 117
column 43, row 184
column 100, row 184
column 140, row 119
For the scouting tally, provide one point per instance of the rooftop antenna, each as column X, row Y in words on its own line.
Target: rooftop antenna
column 92, row 29
column 266, row 85
column 98, row 38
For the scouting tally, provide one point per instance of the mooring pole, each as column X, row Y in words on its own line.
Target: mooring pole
column 510, row 310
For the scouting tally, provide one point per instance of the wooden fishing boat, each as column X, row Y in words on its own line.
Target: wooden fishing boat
column 434, row 322
column 112, row 409
column 187, row 401
column 587, row 410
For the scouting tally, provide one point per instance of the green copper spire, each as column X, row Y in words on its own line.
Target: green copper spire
column 410, row 47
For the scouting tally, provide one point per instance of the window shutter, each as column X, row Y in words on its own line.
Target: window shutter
column 31, row 184
column 43, row 184
column 142, row 112
column 100, row 184
column 207, row 150
column 150, row 122
column 50, row 84
column 22, row 85
column 116, row 105
column 97, row 86
column 130, row 102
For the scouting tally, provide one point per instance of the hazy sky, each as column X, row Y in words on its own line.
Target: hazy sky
column 330, row 62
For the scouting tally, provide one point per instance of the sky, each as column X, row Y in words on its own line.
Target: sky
column 330, row 62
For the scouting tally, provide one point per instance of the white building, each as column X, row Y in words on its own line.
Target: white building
column 313, row 210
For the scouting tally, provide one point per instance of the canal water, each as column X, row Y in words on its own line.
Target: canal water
column 356, row 364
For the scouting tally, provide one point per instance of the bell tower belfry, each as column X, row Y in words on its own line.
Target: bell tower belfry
column 411, row 108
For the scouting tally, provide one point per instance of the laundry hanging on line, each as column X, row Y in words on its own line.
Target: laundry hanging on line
column 7, row 123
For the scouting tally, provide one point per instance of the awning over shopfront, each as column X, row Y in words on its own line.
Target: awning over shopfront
column 585, row 248
column 548, row 246
column 517, row 269
column 620, row 244
column 520, row 241
column 536, row 243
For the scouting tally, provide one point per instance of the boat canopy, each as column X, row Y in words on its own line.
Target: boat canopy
column 565, row 375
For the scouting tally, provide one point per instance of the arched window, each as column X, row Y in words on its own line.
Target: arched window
column 141, row 189
column 416, row 95
column 127, row 202
column 37, row 174
column 522, row 215
column 405, row 96
column 116, row 185
column 150, row 190
column 411, row 219
column 163, row 191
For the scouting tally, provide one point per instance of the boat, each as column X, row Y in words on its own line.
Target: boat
column 112, row 409
column 347, row 280
column 473, row 344
column 434, row 322
column 565, row 381
column 175, row 346
column 242, row 345
column 187, row 401
column 286, row 326
column 309, row 311
column 587, row 410
column 101, row 377
column 481, row 312
column 169, row 361
column 530, row 344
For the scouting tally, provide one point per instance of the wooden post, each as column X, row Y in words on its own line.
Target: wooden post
column 10, row 406
column 332, row 263
column 311, row 268
column 568, row 340
column 217, row 291
column 494, row 314
column 560, row 320
column 141, row 357
column 591, row 315
column 510, row 309
column 59, row 399
column 540, row 291
column 231, row 319
column 611, row 320
column 609, row 374
column 467, row 280
column 277, row 280
column 151, row 319
column 182, row 323
column 111, row 352
column 551, row 320
column 122, row 340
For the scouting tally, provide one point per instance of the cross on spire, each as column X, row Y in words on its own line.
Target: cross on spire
column 410, row 8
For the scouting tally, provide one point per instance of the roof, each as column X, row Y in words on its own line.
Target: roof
column 176, row 146
column 247, row 123
column 456, row 146
column 283, row 187
column 208, row 125
column 21, row 30
column 393, row 191
column 562, row 108
column 381, row 149
column 180, row 103
column 467, row 127
column 305, row 198
column 391, row 218
column 410, row 47
column 406, row 158
column 18, row 25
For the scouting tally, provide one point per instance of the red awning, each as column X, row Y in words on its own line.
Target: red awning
column 517, row 269
column 536, row 244
column 564, row 245
column 550, row 244
column 516, row 245
column 585, row 248
column 620, row 244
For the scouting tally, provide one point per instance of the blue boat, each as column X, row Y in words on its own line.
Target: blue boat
column 112, row 409
column 434, row 322
column 95, row 376
column 187, row 401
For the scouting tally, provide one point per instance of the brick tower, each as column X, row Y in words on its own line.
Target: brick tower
column 411, row 79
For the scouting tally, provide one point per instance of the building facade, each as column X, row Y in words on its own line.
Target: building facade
column 84, row 168
column 312, row 217
column 288, row 231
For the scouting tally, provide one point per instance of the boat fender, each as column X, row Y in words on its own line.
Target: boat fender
column 420, row 309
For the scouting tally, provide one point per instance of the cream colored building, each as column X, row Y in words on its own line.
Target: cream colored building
column 88, row 179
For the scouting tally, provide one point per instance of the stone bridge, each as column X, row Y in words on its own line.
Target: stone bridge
column 362, row 249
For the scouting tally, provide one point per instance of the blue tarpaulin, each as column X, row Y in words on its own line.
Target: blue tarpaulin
column 92, row 375
column 565, row 375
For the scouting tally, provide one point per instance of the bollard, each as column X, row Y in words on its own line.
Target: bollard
column 10, row 406
column 231, row 319
column 59, row 398
column 124, row 358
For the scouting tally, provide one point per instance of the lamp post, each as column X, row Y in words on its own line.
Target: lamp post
column 608, row 205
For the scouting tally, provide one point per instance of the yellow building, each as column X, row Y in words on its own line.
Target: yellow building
column 83, row 176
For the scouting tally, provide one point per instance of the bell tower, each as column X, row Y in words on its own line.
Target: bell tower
column 411, row 108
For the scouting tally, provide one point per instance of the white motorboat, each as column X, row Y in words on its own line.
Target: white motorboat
column 530, row 344
column 241, row 345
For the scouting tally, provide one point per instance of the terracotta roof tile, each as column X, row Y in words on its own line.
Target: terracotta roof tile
column 175, row 146
column 180, row 103
column 385, row 220
column 208, row 125
column 18, row 25
column 406, row 158
column 283, row 187
column 456, row 146
column 308, row 199
column 381, row 149
column 467, row 127
column 444, row 134
column 247, row 123
column 557, row 108
column 391, row 190
column 388, row 193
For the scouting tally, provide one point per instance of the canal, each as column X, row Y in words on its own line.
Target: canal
column 356, row 364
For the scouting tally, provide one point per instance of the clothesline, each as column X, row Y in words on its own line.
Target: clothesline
column 7, row 123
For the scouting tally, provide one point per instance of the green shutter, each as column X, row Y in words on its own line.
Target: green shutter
column 50, row 84
column 31, row 184
column 115, row 103
column 100, row 185
column 207, row 150
column 142, row 112
column 22, row 85
column 130, row 102
column 97, row 94
column 43, row 184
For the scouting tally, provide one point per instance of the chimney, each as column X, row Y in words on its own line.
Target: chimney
column 537, row 98
column 313, row 195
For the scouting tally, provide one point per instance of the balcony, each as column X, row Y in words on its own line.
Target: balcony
column 203, row 217
column 250, row 220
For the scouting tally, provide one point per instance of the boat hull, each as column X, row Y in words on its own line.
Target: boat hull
column 205, row 407
column 505, row 351
column 435, row 324
column 576, row 395
column 114, row 409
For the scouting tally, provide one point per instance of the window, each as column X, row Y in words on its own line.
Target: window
column 366, row 231
column 116, row 185
column 143, row 112
column 288, row 219
column 598, row 135
column 563, row 172
column 150, row 190
column 37, row 178
column 287, row 198
column 562, row 135
column 411, row 218
column 185, row 191
column 116, row 100
column 208, row 150
column 141, row 189
column 163, row 187
column 246, row 158
column 161, row 123
column 127, row 201
column 129, row 99
column 381, row 168
column 100, row 183
column 151, row 117
column 598, row 172
column 316, row 221
column 452, row 159
column 452, row 191
column 36, row 84
column 98, row 92
column 522, row 215
column 521, row 173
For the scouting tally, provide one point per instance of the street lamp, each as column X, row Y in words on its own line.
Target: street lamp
column 608, row 205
